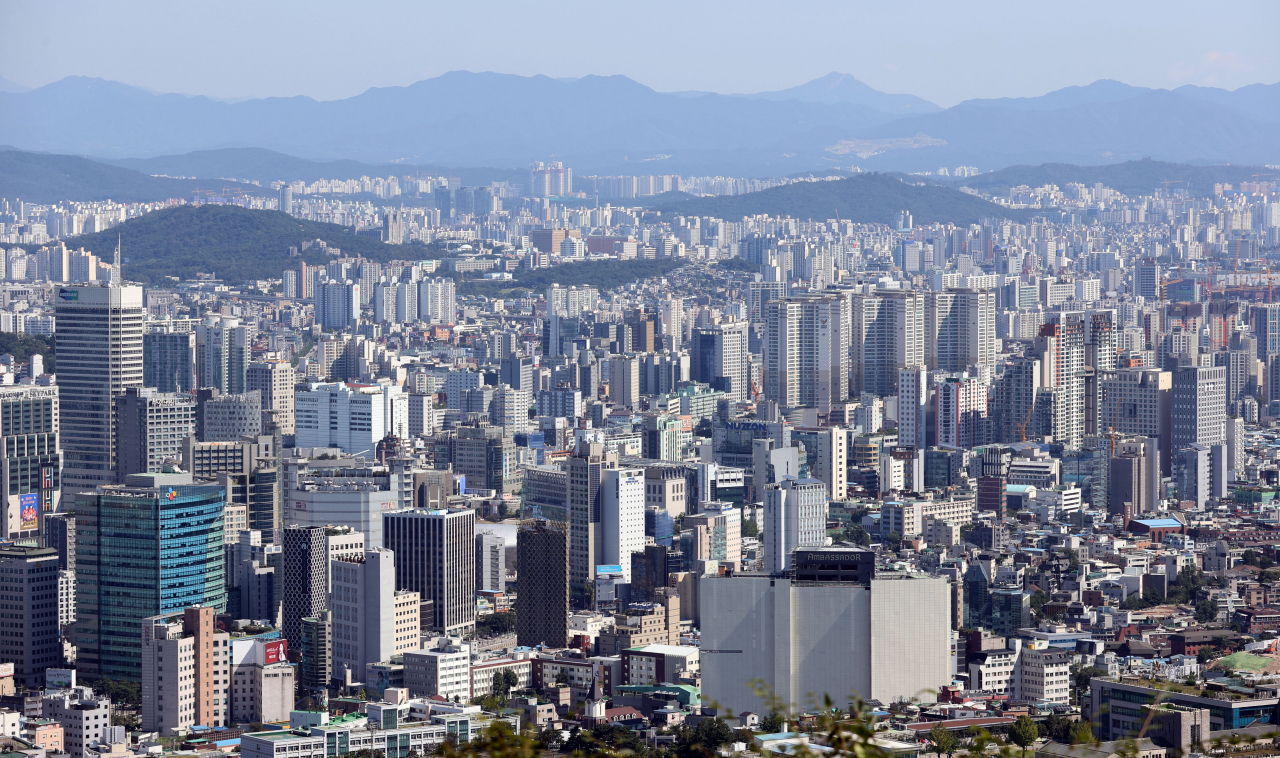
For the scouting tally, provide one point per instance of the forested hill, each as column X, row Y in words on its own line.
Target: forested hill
column 865, row 198
column 235, row 243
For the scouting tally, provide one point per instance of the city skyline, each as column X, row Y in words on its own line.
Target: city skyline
column 954, row 54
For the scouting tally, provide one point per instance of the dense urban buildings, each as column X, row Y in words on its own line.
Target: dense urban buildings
column 1020, row 466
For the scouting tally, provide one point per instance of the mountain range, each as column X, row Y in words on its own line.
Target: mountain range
column 614, row 125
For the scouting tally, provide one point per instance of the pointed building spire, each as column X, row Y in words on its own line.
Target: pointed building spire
column 115, row 265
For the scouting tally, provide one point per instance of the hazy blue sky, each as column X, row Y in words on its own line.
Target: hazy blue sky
column 942, row 51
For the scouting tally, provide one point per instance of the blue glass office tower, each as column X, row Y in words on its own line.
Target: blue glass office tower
column 150, row 546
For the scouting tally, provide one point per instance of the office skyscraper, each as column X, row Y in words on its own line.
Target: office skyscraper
column 152, row 428
column 542, row 597
column 169, row 361
column 31, row 457
column 720, row 357
column 305, row 577
column 274, row 381
column 99, row 356
column 806, row 350
column 622, row 516
column 31, row 576
column 370, row 620
column 161, row 537
column 1198, row 406
column 586, row 469
column 435, row 557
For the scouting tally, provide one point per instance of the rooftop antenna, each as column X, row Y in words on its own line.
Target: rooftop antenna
column 115, row 265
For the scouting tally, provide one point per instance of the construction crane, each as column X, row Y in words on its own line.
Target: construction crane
column 1022, row 427
column 754, row 390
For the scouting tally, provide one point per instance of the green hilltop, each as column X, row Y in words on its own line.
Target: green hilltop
column 235, row 243
column 864, row 198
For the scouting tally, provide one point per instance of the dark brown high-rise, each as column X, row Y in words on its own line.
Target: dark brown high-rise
column 542, row 597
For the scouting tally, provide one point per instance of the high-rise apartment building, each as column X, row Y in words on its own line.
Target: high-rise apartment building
column 914, row 391
column 435, row 557
column 222, row 354
column 274, row 381
column 1061, row 348
column 827, row 455
column 153, row 427
column 169, row 361
column 806, row 350
column 31, row 457
column 99, row 355
column 959, row 329
column 795, row 515
column 186, row 666
column 961, row 412
column 720, row 358
column 437, row 301
column 161, row 537
column 542, row 596
column 888, row 334
column 338, row 304
column 29, row 581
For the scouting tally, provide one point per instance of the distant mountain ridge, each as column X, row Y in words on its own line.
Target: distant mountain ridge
column 614, row 125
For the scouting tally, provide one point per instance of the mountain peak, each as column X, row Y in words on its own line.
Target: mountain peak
column 836, row 87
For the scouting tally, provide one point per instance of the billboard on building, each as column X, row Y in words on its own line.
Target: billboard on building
column 29, row 506
column 275, row 651
column 59, row 679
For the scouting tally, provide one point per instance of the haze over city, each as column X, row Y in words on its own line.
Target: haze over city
column 664, row 380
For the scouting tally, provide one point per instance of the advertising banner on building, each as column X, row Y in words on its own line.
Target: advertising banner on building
column 29, row 506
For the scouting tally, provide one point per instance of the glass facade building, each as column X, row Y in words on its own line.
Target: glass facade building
column 150, row 546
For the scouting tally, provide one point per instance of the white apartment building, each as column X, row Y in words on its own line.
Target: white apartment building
column 437, row 300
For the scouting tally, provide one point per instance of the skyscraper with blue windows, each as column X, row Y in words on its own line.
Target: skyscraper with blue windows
column 152, row 545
